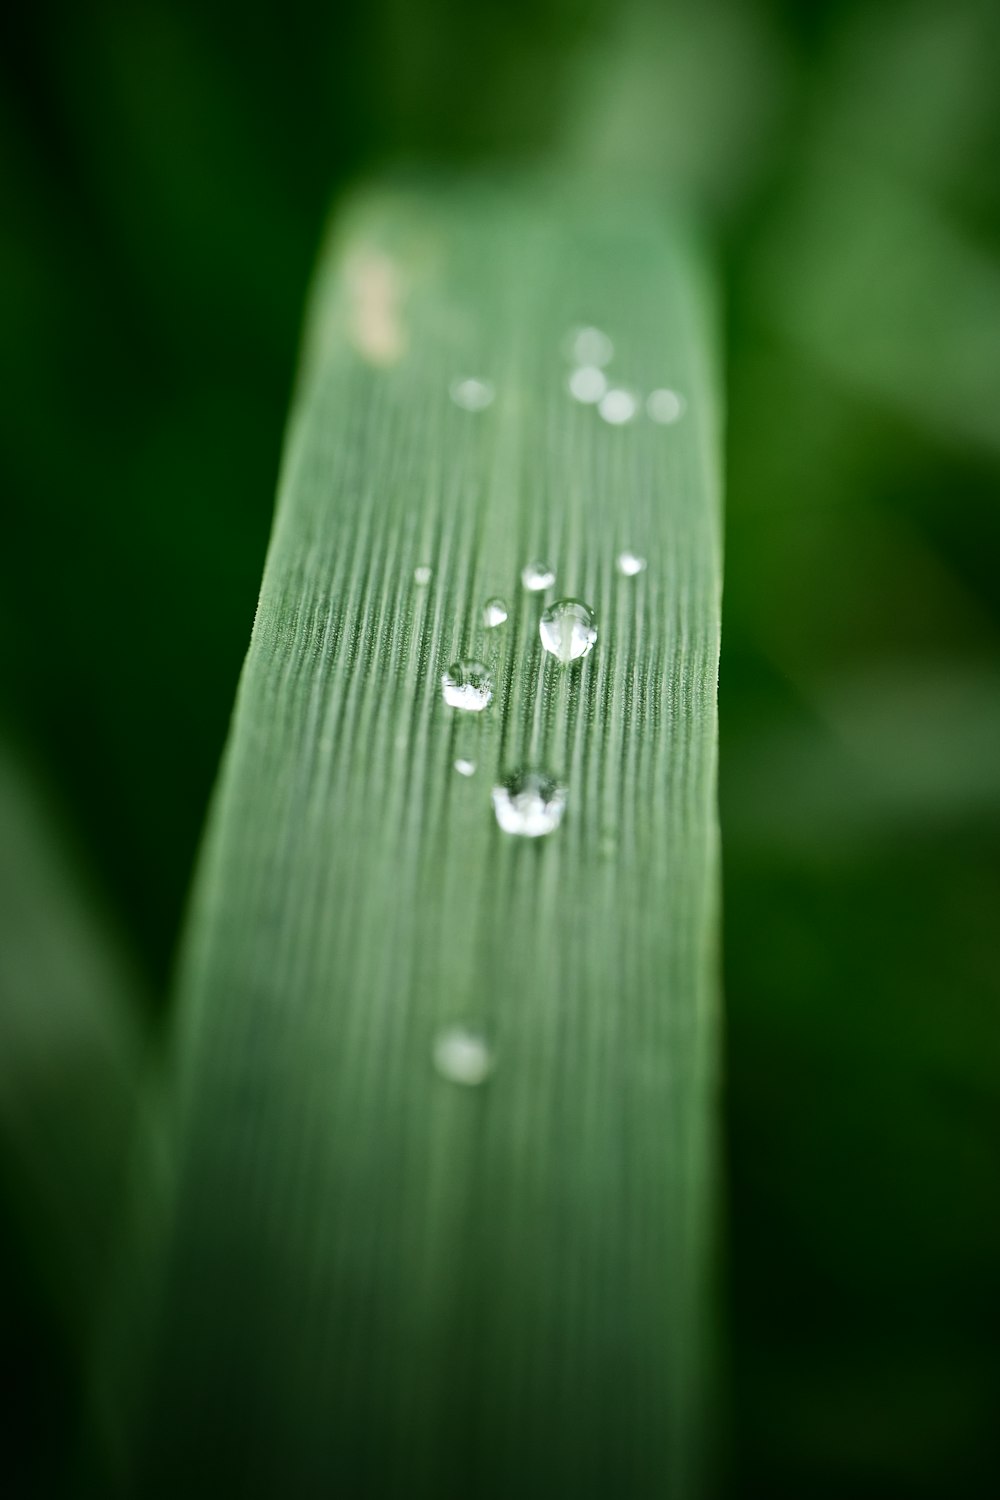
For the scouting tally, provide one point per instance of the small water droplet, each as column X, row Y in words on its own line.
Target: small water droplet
column 465, row 767
column 494, row 613
column 468, row 685
column 618, row 406
column 589, row 346
column 588, row 384
column 665, row 406
column 463, row 1055
column 568, row 629
column 423, row 575
column 537, row 577
column 608, row 847
column 471, row 393
column 629, row 564
column 529, row 803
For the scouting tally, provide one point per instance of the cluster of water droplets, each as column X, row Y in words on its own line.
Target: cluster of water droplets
column 590, row 351
column 530, row 801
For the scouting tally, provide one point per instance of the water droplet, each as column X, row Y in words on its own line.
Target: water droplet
column 537, row 577
column 665, row 406
column 471, row 393
column 618, row 406
column 629, row 564
column 567, row 629
column 463, row 1056
column 465, row 767
column 468, row 685
column 423, row 575
column 494, row 613
column 588, row 384
column 589, row 346
column 529, row 803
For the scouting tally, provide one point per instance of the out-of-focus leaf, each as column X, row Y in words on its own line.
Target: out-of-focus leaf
column 871, row 279
column 71, row 1047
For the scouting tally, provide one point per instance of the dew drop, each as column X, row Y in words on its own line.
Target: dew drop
column 465, row 767
column 468, row 685
column 529, row 803
column 568, row 629
column 423, row 575
column 537, row 577
column 589, row 346
column 618, row 406
column 629, row 564
column 494, row 613
column 665, row 406
column 462, row 1055
column 588, row 384
column 471, row 394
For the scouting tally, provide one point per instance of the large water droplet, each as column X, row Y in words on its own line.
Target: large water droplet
column 537, row 577
column 494, row 613
column 568, row 629
column 463, row 1055
column 589, row 346
column 465, row 767
column 529, row 803
column 471, row 393
column 423, row 575
column 665, row 406
column 618, row 406
column 629, row 564
column 588, row 384
column 468, row 685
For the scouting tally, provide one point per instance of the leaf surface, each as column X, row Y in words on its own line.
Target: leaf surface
column 381, row 1281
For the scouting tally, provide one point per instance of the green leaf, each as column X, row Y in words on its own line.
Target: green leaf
column 381, row 1281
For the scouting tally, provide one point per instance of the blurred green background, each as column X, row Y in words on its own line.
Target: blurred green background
column 166, row 172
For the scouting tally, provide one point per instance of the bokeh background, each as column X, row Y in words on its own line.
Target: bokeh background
column 166, row 171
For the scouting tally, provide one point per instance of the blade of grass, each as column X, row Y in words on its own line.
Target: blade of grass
column 381, row 1282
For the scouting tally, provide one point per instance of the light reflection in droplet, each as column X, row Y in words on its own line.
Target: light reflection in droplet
column 618, row 406
column 494, row 613
column 463, row 1055
column 465, row 767
column 471, row 393
column 588, row 384
column 568, row 629
column 589, row 346
column 629, row 564
column 529, row 803
column 665, row 406
column 537, row 577
column 467, row 685
column 423, row 575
